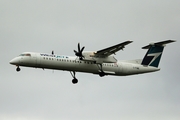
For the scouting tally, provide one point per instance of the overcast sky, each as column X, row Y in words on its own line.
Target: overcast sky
column 46, row 25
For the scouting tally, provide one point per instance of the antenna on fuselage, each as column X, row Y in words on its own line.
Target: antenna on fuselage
column 53, row 54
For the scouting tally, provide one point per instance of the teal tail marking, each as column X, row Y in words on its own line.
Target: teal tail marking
column 154, row 53
column 153, row 56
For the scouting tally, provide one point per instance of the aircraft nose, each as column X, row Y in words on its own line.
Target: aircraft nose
column 14, row 61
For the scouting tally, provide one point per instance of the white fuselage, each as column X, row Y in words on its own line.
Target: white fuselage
column 68, row 63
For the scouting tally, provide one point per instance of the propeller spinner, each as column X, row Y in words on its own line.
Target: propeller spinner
column 79, row 52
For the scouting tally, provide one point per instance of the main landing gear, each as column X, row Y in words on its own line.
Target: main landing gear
column 75, row 80
column 101, row 73
column 18, row 69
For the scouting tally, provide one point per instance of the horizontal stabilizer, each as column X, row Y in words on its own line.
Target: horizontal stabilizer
column 158, row 44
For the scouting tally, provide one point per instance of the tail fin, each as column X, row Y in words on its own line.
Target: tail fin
column 154, row 53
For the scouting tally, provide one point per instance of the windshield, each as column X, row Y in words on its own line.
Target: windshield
column 25, row 54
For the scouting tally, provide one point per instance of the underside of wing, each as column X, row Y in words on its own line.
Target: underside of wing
column 111, row 50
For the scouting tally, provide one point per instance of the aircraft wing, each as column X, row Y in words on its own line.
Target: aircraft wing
column 111, row 50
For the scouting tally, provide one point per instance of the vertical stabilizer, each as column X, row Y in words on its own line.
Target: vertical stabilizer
column 154, row 53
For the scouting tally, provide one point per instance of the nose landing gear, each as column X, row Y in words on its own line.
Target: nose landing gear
column 18, row 69
column 75, row 80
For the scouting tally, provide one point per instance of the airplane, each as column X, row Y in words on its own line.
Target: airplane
column 100, row 62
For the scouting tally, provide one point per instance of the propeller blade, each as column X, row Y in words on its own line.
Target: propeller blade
column 75, row 51
column 82, row 49
column 79, row 52
column 79, row 49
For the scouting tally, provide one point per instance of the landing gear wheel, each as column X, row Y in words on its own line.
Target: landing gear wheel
column 74, row 81
column 101, row 74
column 18, row 69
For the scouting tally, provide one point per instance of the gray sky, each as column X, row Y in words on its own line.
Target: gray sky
column 45, row 25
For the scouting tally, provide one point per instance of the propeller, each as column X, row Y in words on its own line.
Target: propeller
column 79, row 52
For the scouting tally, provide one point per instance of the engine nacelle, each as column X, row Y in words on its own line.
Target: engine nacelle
column 90, row 56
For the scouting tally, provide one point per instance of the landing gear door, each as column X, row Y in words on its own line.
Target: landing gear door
column 38, row 59
column 120, row 66
column 34, row 60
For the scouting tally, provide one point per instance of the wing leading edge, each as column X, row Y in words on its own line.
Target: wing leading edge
column 111, row 50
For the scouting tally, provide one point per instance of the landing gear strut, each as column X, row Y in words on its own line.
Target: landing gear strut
column 101, row 73
column 18, row 69
column 75, row 80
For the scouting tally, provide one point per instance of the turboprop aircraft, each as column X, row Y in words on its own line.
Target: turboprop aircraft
column 100, row 62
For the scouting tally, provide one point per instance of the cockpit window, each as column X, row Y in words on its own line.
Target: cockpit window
column 25, row 54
